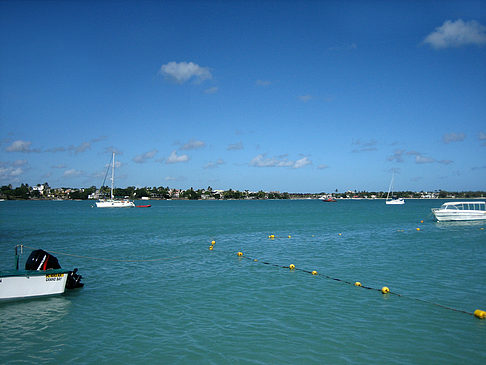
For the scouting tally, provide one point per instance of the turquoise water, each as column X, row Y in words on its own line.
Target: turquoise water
column 193, row 305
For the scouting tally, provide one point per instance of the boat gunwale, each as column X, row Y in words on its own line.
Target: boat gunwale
column 28, row 273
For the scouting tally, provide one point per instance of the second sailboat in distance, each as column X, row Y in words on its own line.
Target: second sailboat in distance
column 112, row 202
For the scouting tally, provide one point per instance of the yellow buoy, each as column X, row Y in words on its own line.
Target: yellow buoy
column 418, row 229
column 385, row 290
column 255, row 260
column 213, row 242
column 314, row 272
column 210, row 248
column 340, row 234
column 290, row 236
column 480, row 314
column 240, row 253
column 357, row 283
column 291, row 266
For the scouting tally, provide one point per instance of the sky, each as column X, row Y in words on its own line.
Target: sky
column 289, row 96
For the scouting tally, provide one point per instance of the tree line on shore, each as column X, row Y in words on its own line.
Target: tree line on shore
column 44, row 191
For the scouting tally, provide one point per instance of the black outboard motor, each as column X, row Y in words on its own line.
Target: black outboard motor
column 40, row 260
column 74, row 280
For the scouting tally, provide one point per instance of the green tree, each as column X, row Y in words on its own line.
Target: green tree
column 191, row 194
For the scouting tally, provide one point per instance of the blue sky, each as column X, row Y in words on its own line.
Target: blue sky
column 297, row 96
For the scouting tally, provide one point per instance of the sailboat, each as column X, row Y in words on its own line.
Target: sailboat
column 393, row 201
column 112, row 202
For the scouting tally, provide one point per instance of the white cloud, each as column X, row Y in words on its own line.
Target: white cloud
column 420, row 159
column 145, row 156
column 10, row 172
column 263, row 83
column 82, row 147
column 344, row 47
column 457, row 33
column 212, row 90
column 262, row 161
column 482, row 137
column 305, row 98
column 454, row 137
column 212, row 165
column 445, row 162
column 174, row 158
column 72, row 172
column 304, row 161
column 397, row 156
column 181, row 72
column 365, row 146
column 19, row 163
column 193, row 145
column 235, row 146
column 19, row 146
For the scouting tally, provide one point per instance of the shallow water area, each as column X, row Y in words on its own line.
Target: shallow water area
column 154, row 292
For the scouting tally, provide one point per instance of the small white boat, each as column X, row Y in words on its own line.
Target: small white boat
column 112, row 202
column 393, row 200
column 42, row 276
column 460, row 211
column 328, row 199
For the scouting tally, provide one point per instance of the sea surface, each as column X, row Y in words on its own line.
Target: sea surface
column 155, row 293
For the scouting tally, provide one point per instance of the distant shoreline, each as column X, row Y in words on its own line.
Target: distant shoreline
column 45, row 192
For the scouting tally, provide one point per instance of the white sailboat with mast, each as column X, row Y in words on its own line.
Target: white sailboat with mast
column 112, row 202
column 393, row 200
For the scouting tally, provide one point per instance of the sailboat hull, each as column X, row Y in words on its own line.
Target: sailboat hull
column 114, row 204
column 398, row 201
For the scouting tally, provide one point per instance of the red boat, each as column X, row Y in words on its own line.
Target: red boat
column 143, row 206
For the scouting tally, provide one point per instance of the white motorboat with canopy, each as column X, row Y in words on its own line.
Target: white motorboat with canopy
column 461, row 211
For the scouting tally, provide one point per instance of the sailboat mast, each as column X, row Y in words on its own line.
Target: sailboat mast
column 112, row 175
column 391, row 184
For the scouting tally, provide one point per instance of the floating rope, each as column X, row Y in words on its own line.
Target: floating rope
column 103, row 259
column 385, row 290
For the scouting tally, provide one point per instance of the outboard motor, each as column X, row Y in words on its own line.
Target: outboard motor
column 40, row 260
column 74, row 280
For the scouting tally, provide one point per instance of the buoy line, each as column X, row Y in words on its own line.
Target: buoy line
column 103, row 259
column 478, row 313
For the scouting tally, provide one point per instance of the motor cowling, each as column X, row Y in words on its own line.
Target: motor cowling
column 41, row 260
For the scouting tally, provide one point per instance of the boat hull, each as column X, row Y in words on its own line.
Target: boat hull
column 114, row 204
column 395, row 202
column 29, row 284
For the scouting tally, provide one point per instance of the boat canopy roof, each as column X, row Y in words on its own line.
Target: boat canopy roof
column 470, row 205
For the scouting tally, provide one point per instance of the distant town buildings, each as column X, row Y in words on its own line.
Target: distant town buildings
column 44, row 191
